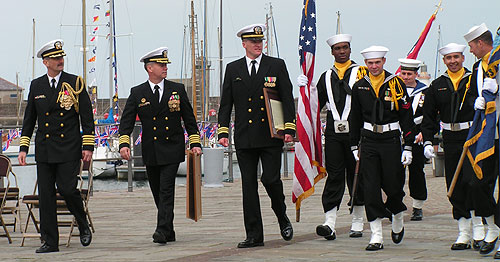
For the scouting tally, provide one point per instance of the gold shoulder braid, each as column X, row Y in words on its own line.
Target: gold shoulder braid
column 69, row 96
column 361, row 72
column 396, row 93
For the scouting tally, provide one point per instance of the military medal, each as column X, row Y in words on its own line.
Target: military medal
column 270, row 81
column 421, row 100
column 66, row 101
column 387, row 96
column 174, row 102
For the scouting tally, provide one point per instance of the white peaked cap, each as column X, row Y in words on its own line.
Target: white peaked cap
column 409, row 63
column 253, row 31
column 475, row 32
column 51, row 49
column 159, row 55
column 374, row 52
column 451, row 48
column 338, row 39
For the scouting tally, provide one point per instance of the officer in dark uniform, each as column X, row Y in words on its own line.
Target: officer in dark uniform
column 483, row 202
column 243, row 85
column 340, row 163
column 450, row 99
column 60, row 104
column 160, row 105
column 416, row 178
column 380, row 110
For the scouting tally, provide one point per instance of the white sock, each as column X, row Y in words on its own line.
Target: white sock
column 376, row 228
column 331, row 218
column 418, row 203
column 477, row 226
column 357, row 218
column 493, row 229
column 397, row 222
column 464, row 228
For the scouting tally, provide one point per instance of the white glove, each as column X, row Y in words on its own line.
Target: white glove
column 480, row 103
column 302, row 80
column 429, row 151
column 406, row 157
column 356, row 154
column 490, row 84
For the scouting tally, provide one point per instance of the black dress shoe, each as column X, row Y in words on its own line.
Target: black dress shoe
column 497, row 255
column 460, row 246
column 374, row 246
column 397, row 237
column 159, row 237
column 85, row 236
column 326, row 232
column 46, row 249
column 477, row 244
column 487, row 247
column 287, row 232
column 353, row 233
column 417, row 214
column 250, row 242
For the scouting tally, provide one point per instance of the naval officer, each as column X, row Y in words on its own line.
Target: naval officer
column 242, row 88
column 334, row 91
column 60, row 104
column 416, row 177
column 161, row 105
column 380, row 114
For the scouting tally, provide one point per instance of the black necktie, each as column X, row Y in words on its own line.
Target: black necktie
column 253, row 72
column 53, row 81
column 157, row 93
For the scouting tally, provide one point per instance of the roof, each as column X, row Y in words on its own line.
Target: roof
column 6, row 85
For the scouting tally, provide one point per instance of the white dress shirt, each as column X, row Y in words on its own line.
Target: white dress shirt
column 249, row 64
column 152, row 85
column 56, row 78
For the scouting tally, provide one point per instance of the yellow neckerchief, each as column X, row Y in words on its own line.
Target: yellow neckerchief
column 377, row 81
column 484, row 61
column 342, row 68
column 456, row 77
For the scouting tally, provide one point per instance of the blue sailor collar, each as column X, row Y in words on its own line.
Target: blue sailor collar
column 419, row 88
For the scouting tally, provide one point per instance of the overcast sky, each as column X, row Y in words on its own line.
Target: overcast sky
column 144, row 25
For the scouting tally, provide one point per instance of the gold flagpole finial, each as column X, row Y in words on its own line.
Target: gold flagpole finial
column 438, row 7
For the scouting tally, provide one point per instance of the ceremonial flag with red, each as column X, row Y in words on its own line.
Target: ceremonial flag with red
column 309, row 164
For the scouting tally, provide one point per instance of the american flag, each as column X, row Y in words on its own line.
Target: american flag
column 139, row 139
column 309, row 165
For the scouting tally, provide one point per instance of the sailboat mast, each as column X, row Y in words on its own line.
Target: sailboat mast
column 338, row 23
column 33, row 57
column 111, row 53
column 220, row 50
column 193, row 63
column 84, row 40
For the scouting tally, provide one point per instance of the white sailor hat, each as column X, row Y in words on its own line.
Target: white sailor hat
column 252, row 32
column 51, row 49
column 159, row 55
column 475, row 32
column 374, row 52
column 409, row 64
column 451, row 48
column 339, row 39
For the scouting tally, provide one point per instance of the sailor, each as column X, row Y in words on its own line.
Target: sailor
column 334, row 91
column 380, row 113
column 480, row 41
column 162, row 107
column 243, row 88
column 416, row 178
column 450, row 99
column 59, row 103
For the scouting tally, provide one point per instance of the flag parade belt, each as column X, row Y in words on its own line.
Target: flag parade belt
column 457, row 126
column 381, row 128
column 418, row 120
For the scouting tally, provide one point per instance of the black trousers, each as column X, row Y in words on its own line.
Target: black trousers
column 416, row 177
column 65, row 176
column 481, row 190
column 461, row 193
column 340, row 165
column 382, row 170
column 162, row 183
column 271, row 165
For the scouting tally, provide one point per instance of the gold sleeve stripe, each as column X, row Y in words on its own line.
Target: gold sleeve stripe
column 194, row 139
column 222, row 130
column 24, row 141
column 290, row 126
column 124, row 139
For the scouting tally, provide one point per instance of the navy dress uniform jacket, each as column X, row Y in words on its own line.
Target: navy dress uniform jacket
column 162, row 132
column 58, row 138
column 247, row 95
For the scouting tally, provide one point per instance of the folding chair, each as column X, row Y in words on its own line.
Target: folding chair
column 9, row 198
column 33, row 202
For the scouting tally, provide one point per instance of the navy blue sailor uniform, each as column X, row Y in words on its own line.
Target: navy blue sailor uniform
column 455, row 108
column 340, row 162
column 59, row 112
column 416, row 176
column 377, row 121
column 481, row 190
column 252, row 138
column 162, row 141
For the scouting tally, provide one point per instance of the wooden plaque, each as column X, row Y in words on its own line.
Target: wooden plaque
column 193, row 186
column 275, row 115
